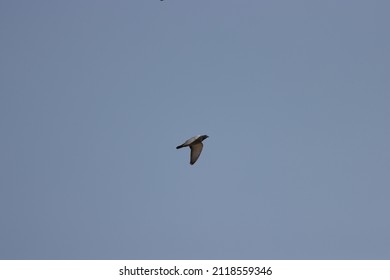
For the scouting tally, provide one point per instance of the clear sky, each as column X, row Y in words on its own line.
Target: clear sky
column 96, row 95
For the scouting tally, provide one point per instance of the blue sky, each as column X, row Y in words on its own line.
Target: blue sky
column 96, row 95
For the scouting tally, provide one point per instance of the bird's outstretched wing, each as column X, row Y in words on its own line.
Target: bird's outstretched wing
column 195, row 152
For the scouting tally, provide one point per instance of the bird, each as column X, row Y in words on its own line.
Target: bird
column 196, row 146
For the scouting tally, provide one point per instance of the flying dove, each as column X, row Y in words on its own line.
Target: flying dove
column 196, row 146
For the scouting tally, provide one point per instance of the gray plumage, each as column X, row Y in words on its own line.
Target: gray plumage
column 196, row 146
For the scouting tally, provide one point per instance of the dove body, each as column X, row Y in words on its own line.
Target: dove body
column 196, row 146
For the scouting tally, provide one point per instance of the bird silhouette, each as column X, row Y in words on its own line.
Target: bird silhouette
column 196, row 146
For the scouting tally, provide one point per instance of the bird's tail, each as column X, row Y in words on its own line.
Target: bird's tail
column 181, row 146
